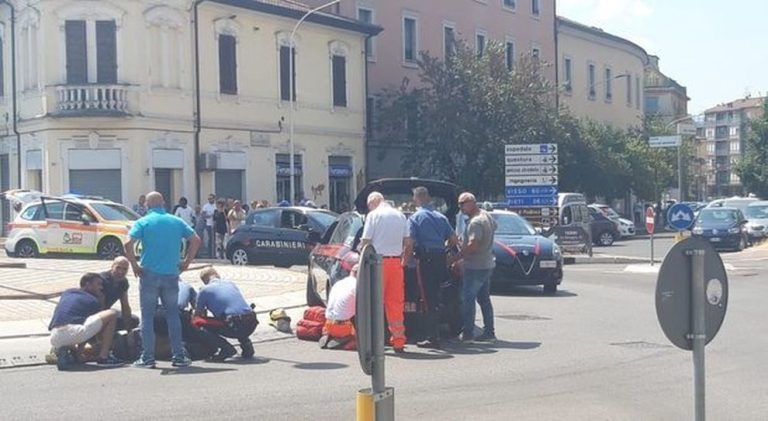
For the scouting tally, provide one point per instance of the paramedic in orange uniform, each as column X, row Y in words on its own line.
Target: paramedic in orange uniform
column 386, row 228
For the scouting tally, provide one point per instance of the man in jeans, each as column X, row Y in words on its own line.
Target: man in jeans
column 161, row 235
column 477, row 253
column 208, row 211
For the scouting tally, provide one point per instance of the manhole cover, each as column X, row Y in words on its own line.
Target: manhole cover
column 640, row 345
column 522, row 317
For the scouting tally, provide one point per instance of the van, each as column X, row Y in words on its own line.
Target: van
column 573, row 229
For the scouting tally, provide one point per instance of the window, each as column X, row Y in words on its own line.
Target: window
column 366, row 16
column 629, row 91
column 638, row 95
column 608, row 85
column 33, row 213
column 449, row 41
column 285, row 80
column 265, row 218
column 567, row 75
column 77, row 52
column 55, row 210
column 227, row 64
column 735, row 147
column 508, row 4
column 734, row 131
column 509, row 54
column 480, row 43
column 283, row 165
column 535, row 7
column 652, row 105
column 410, row 44
column 591, row 81
column 535, row 53
column 2, row 69
column 339, row 64
column 721, row 132
column 711, row 148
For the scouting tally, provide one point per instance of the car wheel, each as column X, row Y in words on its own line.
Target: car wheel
column 550, row 289
column 109, row 248
column 742, row 244
column 239, row 256
column 606, row 238
column 313, row 299
column 27, row 249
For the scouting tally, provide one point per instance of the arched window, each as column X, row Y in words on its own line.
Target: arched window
column 338, row 53
column 227, row 31
column 284, row 54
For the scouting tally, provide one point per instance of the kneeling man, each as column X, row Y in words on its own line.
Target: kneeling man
column 339, row 330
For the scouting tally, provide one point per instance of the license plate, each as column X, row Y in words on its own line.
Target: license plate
column 548, row 264
column 714, row 240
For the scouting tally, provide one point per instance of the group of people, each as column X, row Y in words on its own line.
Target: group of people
column 422, row 240
column 84, row 322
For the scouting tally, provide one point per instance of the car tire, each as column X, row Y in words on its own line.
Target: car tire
column 606, row 238
column 550, row 289
column 312, row 298
column 240, row 256
column 27, row 249
column 742, row 244
column 109, row 248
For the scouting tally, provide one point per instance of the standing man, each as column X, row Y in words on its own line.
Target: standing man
column 477, row 253
column 430, row 231
column 115, row 287
column 141, row 207
column 161, row 235
column 235, row 217
column 208, row 210
column 220, row 228
column 387, row 229
column 185, row 212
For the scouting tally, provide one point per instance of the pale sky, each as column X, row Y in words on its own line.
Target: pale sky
column 714, row 48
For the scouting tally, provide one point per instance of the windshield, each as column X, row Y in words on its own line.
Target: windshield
column 757, row 212
column 609, row 212
column 718, row 216
column 324, row 218
column 509, row 224
column 740, row 204
column 114, row 212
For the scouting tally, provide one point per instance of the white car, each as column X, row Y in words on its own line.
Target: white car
column 626, row 227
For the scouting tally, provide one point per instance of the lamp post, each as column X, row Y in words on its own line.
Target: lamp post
column 679, row 157
column 291, row 94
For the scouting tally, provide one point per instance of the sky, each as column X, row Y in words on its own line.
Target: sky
column 717, row 49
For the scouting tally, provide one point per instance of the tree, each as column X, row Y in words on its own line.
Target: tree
column 753, row 166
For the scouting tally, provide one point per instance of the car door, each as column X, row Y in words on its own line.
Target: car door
column 57, row 238
column 83, row 233
column 259, row 236
column 294, row 238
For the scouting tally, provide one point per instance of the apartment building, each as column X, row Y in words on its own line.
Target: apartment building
column 106, row 94
column 664, row 97
column 411, row 26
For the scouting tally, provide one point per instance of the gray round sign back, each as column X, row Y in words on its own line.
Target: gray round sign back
column 673, row 292
column 363, row 315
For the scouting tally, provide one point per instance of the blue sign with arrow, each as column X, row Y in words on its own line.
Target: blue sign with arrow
column 532, row 201
column 531, row 191
column 680, row 217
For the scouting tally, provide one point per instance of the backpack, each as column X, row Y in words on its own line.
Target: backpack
column 310, row 327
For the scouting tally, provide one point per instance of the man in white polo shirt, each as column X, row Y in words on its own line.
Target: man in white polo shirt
column 386, row 229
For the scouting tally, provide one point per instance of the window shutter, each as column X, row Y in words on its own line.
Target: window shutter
column 339, row 81
column 227, row 64
column 285, row 65
column 106, row 52
column 77, row 56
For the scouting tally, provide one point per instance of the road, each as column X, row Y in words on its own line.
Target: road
column 592, row 352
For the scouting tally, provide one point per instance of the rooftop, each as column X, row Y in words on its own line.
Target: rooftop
column 738, row 104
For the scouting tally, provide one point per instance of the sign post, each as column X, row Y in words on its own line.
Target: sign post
column 671, row 142
column 530, row 178
column 650, row 225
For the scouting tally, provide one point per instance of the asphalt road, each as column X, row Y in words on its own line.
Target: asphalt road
column 593, row 352
column 639, row 247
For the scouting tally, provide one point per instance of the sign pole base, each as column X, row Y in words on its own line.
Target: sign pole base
column 376, row 407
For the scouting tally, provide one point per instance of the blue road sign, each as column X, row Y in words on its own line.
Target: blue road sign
column 544, row 201
column 680, row 216
column 531, row 191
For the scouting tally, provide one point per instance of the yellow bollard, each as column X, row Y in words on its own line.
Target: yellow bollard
column 366, row 409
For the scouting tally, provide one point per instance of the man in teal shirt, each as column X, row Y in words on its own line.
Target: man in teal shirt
column 161, row 236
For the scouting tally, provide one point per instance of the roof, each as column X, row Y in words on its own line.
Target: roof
column 738, row 104
column 600, row 33
column 295, row 10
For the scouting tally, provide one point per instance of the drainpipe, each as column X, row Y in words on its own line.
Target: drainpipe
column 368, row 130
column 14, row 97
column 557, row 61
column 198, row 117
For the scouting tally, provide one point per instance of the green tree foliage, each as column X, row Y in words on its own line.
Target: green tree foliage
column 753, row 166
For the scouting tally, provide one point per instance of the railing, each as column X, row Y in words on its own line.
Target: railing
column 75, row 99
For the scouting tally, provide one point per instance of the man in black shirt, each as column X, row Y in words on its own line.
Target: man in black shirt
column 115, row 287
column 79, row 317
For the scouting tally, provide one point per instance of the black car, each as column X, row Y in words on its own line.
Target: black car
column 724, row 228
column 281, row 236
column 604, row 230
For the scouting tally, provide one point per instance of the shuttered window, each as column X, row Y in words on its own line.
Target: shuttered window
column 227, row 65
column 106, row 52
column 284, row 71
column 77, row 52
column 339, row 81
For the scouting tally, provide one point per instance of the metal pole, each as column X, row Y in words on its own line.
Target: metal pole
column 699, row 336
column 377, row 329
column 680, row 172
column 652, row 244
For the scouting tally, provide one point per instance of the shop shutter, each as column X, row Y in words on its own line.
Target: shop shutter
column 104, row 183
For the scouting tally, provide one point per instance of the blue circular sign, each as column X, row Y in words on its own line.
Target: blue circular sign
column 680, row 217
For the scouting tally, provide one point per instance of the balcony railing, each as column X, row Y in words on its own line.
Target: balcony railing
column 92, row 99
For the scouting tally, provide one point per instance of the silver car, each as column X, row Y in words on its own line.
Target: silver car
column 757, row 220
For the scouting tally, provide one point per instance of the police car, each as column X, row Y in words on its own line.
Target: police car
column 282, row 236
column 69, row 224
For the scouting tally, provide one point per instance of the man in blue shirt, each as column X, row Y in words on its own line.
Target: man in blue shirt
column 161, row 235
column 430, row 231
column 78, row 317
column 232, row 316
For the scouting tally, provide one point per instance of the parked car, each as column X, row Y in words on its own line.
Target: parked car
column 281, row 236
column 605, row 231
column 757, row 220
column 626, row 227
column 70, row 224
column 724, row 227
column 737, row 202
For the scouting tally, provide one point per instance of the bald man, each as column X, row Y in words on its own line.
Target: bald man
column 115, row 287
column 161, row 236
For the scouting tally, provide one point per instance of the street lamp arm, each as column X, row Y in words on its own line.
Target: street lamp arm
column 602, row 82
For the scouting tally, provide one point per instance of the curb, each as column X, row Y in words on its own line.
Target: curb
column 606, row 259
column 18, row 265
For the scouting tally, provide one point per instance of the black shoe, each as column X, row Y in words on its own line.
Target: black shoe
column 486, row 337
column 430, row 344
column 399, row 350
column 246, row 349
column 223, row 354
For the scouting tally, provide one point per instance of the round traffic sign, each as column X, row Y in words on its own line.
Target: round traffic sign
column 650, row 218
column 680, row 216
column 673, row 292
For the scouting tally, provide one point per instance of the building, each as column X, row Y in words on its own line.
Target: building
column 106, row 97
column 722, row 137
column 412, row 26
column 601, row 76
column 664, row 97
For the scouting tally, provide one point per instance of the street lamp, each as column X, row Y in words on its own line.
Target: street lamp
column 291, row 94
column 679, row 157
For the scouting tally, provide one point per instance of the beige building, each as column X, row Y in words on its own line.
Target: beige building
column 601, row 76
column 106, row 100
column 412, row 26
column 664, row 97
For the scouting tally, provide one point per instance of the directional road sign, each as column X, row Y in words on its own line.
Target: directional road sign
column 537, row 212
column 664, row 141
column 531, row 191
column 531, row 149
column 532, row 201
column 530, row 159
column 532, row 170
column 531, row 180
column 680, row 216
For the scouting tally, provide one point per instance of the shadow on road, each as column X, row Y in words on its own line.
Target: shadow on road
column 246, row 361
column 320, row 366
column 192, row 370
column 424, row 356
column 528, row 291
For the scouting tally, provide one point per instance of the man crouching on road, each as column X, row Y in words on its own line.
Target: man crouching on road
column 78, row 317
column 232, row 316
column 339, row 330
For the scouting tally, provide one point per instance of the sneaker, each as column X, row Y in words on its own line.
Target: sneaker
column 222, row 355
column 429, row 343
column 64, row 358
column 183, row 361
column 110, row 361
column 141, row 363
column 467, row 339
column 399, row 349
column 486, row 337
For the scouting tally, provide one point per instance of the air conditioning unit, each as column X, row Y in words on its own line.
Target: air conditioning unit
column 208, row 162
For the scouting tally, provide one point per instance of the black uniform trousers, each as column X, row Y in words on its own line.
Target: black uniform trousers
column 433, row 271
column 236, row 327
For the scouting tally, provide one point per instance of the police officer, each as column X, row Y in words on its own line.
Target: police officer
column 430, row 231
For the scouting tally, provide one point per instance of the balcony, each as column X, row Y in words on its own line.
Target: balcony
column 92, row 100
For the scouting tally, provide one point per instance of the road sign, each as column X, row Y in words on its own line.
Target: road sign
column 532, row 170
column 543, row 201
column 680, row 216
column 531, row 191
column 664, row 141
column 537, row 212
column 530, row 159
column 687, row 129
column 531, row 180
column 650, row 220
column 531, row 149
